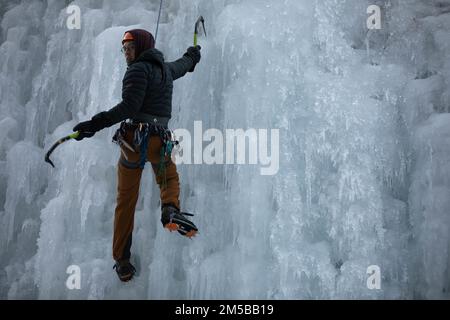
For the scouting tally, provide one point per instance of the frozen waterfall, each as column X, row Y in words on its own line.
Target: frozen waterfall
column 364, row 151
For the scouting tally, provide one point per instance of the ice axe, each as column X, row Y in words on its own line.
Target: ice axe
column 197, row 25
column 57, row 143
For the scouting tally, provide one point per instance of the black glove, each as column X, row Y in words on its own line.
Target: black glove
column 84, row 134
column 88, row 128
column 194, row 54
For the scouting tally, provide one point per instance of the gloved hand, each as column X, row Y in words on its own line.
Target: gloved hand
column 88, row 128
column 194, row 54
column 84, row 134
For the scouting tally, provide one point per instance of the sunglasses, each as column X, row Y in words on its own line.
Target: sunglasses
column 128, row 48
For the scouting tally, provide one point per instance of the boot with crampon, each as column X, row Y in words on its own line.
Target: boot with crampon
column 174, row 220
column 125, row 270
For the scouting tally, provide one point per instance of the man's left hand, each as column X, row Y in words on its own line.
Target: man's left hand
column 194, row 54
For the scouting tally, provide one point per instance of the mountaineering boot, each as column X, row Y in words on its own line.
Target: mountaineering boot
column 174, row 220
column 125, row 270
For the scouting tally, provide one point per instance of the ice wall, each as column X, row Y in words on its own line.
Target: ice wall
column 363, row 179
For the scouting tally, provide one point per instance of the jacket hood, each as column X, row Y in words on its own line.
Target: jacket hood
column 154, row 56
column 151, row 55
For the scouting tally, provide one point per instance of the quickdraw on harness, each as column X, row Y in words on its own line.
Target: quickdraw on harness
column 168, row 143
column 141, row 136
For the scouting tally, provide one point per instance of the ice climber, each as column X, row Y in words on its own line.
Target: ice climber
column 144, row 113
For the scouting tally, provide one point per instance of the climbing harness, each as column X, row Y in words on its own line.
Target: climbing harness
column 142, row 134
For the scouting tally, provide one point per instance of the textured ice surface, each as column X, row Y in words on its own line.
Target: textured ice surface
column 364, row 174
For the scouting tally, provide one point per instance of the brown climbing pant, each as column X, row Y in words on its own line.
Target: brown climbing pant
column 129, row 177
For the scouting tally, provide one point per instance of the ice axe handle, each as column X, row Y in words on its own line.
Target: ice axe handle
column 197, row 24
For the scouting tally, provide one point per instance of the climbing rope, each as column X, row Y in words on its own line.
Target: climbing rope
column 159, row 16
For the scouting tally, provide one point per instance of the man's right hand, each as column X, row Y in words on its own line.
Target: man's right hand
column 194, row 54
column 87, row 129
column 84, row 134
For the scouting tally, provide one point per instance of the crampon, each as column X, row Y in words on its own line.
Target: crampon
column 173, row 220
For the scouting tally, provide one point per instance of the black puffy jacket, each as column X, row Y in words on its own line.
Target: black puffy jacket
column 147, row 88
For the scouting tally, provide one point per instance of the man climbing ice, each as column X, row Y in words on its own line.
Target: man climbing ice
column 144, row 113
